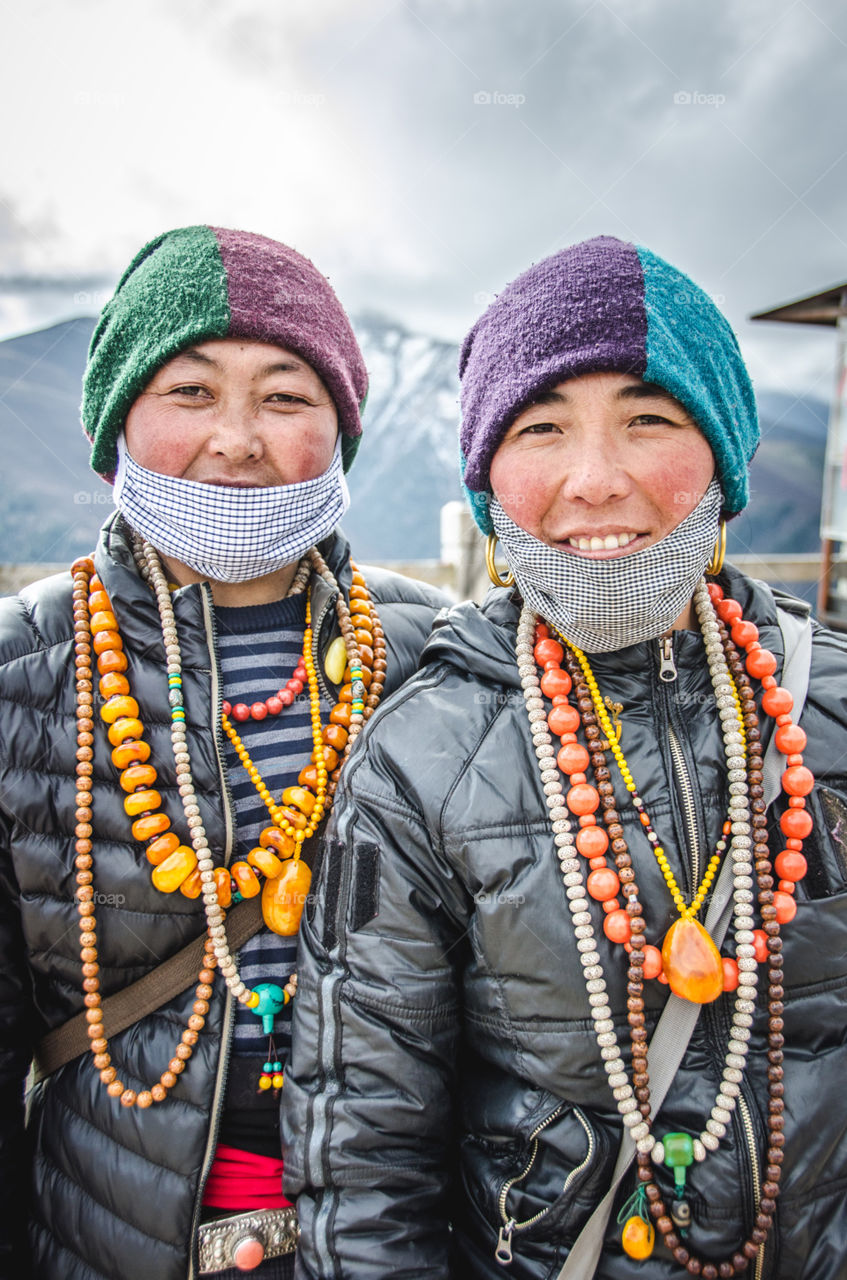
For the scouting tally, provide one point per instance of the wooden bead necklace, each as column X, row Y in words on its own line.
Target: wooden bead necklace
column 748, row 832
column 192, row 870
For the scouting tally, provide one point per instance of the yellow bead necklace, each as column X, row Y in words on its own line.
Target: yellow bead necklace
column 291, row 821
column 687, row 911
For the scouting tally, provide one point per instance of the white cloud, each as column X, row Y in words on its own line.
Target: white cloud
column 352, row 132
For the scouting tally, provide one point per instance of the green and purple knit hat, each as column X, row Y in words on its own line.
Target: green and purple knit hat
column 604, row 306
column 197, row 283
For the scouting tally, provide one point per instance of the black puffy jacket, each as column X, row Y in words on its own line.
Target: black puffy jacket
column 446, row 1077
column 113, row 1192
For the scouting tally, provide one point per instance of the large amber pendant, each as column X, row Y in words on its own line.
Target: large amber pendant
column 284, row 897
column 692, row 963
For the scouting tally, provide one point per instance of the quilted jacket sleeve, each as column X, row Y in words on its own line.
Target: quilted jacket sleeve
column 16, row 1045
column 369, row 1090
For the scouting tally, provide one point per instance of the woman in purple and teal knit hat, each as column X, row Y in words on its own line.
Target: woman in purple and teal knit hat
column 587, row 1019
column 177, row 711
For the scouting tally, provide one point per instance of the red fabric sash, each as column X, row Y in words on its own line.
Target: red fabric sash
column 240, row 1180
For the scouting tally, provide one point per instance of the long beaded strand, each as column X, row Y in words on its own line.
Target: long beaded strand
column 635, row 1111
column 745, row 990
column 83, row 571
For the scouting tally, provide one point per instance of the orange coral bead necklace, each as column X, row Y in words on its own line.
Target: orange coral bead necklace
column 603, row 884
column 176, row 865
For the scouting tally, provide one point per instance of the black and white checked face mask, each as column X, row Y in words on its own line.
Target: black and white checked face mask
column 604, row 605
column 225, row 533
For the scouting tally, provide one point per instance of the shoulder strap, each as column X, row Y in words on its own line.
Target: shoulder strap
column 679, row 1017
column 121, row 1010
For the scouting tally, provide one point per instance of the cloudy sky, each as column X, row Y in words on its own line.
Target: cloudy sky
column 423, row 152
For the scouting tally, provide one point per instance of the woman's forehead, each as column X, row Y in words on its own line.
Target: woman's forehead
column 618, row 386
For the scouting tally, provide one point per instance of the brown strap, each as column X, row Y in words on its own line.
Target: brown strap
column 167, row 980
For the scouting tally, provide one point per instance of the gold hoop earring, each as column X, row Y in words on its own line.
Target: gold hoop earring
column 716, row 563
column 490, row 545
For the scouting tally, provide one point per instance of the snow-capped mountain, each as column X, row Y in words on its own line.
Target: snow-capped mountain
column 408, row 463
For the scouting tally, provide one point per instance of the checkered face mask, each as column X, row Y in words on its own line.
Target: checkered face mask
column 604, row 605
column 225, row 533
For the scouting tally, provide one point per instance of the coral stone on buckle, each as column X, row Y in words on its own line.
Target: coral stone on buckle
column 248, row 1253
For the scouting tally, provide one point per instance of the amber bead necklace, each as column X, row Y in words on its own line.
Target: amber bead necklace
column 85, row 643
column 192, row 869
column 277, row 855
column 749, row 841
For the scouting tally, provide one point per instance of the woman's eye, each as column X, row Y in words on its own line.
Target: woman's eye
column 284, row 397
column 539, row 428
column 650, row 419
column 190, row 390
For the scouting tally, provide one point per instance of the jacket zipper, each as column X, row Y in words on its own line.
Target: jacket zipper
column 668, row 673
column 667, row 666
column 750, row 1136
column 503, row 1251
column 316, row 631
column 229, row 1005
column 687, row 793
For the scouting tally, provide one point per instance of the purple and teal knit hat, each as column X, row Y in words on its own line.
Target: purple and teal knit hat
column 604, row 306
column 197, row 283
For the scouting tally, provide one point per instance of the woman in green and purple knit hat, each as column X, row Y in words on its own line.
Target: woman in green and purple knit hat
column 576, row 1004
column 174, row 717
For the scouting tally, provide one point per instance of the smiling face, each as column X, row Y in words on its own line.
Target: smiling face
column 601, row 466
column 234, row 412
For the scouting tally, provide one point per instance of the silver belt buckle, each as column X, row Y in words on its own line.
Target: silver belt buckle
column 245, row 1240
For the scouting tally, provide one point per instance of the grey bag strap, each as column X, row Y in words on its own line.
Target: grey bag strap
column 679, row 1017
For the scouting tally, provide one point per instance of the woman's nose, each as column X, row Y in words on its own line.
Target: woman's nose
column 594, row 474
column 234, row 435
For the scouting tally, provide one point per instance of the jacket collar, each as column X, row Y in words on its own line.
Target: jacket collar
column 481, row 639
